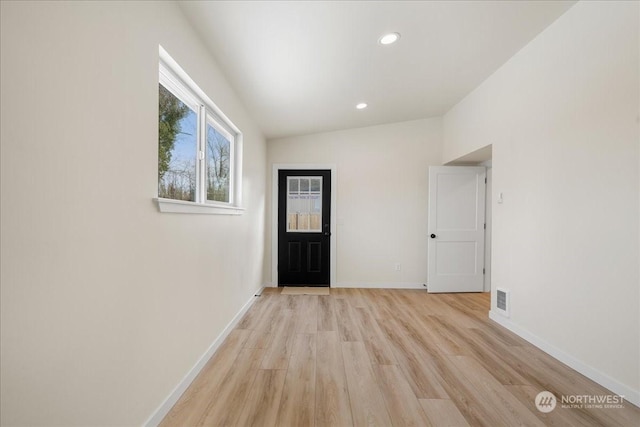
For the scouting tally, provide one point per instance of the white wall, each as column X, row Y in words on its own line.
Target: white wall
column 382, row 195
column 106, row 303
column 562, row 116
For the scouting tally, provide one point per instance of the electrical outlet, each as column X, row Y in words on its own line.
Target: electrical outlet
column 397, row 266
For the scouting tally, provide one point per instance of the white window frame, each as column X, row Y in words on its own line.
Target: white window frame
column 176, row 81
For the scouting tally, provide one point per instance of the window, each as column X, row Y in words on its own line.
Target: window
column 177, row 148
column 198, row 148
column 304, row 204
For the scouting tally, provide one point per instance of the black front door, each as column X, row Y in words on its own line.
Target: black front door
column 304, row 224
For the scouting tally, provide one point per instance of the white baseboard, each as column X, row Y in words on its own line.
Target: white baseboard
column 631, row 395
column 381, row 285
column 159, row 414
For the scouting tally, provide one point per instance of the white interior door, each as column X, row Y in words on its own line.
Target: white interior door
column 456, row 229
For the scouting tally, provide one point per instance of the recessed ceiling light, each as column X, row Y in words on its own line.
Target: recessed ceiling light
column 389, row 38
column 361, row 105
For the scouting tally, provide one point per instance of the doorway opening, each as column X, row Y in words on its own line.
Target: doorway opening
column 483, row 157
column 303, row 225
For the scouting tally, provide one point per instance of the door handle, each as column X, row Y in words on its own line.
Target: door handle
column 327, row 233
column 433, row 236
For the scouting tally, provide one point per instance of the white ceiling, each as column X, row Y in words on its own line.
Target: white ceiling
column 301, row 67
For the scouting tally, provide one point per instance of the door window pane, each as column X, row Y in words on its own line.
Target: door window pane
column 304, row 204
column 177, row 135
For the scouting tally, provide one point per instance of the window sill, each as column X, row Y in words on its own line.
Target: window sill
column 179, row 206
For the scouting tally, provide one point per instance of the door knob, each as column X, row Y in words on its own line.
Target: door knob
column 433, row 236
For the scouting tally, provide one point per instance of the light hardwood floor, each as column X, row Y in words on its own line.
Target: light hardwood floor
column 386, row 358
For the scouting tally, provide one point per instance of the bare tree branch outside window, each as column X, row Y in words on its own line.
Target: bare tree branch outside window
column 218, row 165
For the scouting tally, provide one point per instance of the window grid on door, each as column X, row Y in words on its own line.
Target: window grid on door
column 304, row 204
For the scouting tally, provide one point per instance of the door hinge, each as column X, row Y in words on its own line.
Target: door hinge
column 485, row 179
column 483, row 271
column 485, row 225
